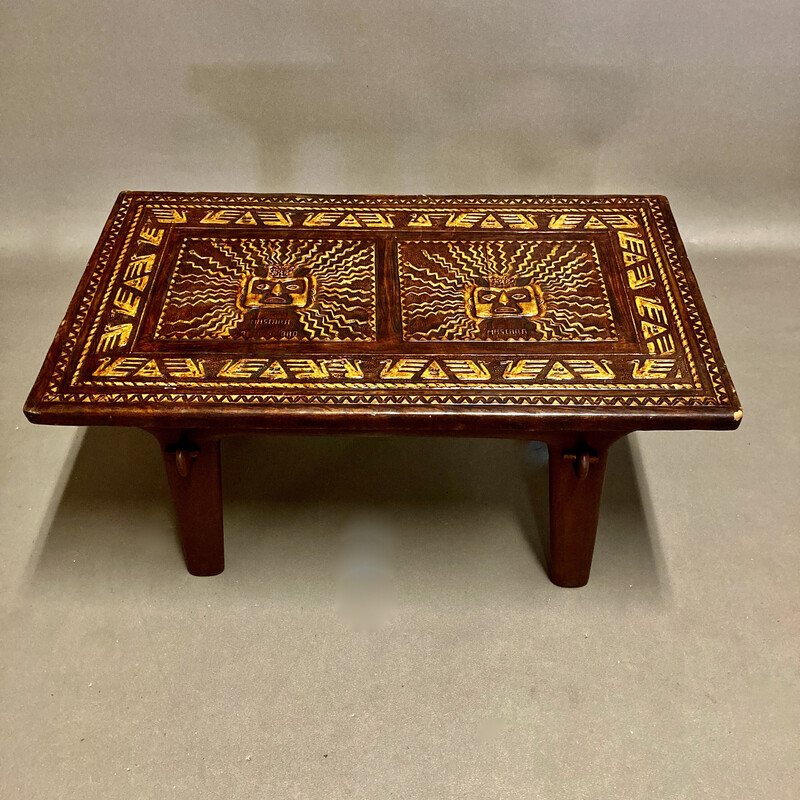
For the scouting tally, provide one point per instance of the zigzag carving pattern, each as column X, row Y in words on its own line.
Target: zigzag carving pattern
column 343, row 308
column 202, row 300
column 437, row 278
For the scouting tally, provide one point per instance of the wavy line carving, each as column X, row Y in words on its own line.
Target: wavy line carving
column 439, row 278
column 204, row 299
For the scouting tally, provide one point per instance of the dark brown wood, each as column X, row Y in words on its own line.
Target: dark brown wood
column 192, row 463
column 565, row 319
column 183, row 318
column 577, row 467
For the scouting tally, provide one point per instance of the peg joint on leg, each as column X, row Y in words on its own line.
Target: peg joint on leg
column 583, row 457
column 185, row 454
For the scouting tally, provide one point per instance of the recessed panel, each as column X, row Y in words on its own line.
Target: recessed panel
column 513, row 290
column 270, row 289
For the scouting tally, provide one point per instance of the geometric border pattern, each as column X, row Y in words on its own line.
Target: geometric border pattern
column 100, row 363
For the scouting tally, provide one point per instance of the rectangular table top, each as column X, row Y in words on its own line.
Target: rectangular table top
column 492, row 315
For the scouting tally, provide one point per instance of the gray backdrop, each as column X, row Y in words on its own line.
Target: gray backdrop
column 696, row 100
column 673, row 674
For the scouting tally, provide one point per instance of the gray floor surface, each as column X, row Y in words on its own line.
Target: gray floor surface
column 385, row 626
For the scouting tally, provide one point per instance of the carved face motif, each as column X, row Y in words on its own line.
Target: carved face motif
column 267, row 293
column 510, row 301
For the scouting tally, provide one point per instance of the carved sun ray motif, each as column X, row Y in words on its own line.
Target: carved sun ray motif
column 214, row 293
column 509, row 290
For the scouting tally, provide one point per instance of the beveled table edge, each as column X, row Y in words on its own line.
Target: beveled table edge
column 486, row 422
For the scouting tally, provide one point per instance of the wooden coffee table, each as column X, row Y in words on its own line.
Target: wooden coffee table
column 568, row 320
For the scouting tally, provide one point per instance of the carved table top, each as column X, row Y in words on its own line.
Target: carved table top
column 475, row 315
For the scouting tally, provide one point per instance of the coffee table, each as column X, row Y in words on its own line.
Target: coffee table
column 568, row 320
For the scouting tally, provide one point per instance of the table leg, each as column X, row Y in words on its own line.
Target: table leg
column 577, row 467
column 193, row 471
